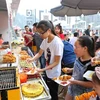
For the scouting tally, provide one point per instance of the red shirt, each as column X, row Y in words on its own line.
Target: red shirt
column 1, row 41
column 61, row 36
column 27, row 40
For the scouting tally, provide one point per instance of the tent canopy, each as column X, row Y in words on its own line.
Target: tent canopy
column 82, row 4
column 64, row 10
column 3, row 6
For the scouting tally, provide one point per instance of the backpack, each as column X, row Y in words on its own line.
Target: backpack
column 68, row 53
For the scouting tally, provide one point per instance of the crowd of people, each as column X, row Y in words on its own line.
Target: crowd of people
column 56, row 50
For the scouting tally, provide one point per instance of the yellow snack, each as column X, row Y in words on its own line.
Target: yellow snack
column 32, row 90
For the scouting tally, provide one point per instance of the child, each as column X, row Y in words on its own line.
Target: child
column 59, row 32
column 96, row 60
column 95, row 94
column 84, row 50
column 96, row 82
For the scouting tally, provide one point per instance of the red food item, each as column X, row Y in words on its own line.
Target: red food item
column 23, row 77
column 26, row 70
column 63, row 83
column 9, row 53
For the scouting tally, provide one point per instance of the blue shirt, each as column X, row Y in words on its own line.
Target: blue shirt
column 68, row 54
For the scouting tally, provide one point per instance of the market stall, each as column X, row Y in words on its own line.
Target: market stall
column 26, row 83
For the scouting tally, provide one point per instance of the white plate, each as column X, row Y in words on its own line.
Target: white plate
column 88, row 75
column 31, row 73
column 65, row 82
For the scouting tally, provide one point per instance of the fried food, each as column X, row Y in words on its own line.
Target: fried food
column 32, row 89
column 61, row 78
column 9, row 58
column 55, row 78
column 24, row 57
column 69, row 77
column 64, row 77
column 23, row 52
column 64, row 70
column 32, row 71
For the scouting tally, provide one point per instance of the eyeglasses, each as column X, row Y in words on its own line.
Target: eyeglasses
column 43, row 32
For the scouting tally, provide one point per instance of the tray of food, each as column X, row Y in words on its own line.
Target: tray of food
column 24, row 63
column 23, row 52
column 7, row 58
column 35, row 89
column 28, row 70
column 63, row 79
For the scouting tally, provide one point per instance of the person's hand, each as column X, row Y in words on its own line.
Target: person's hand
column 24, row 35
column 93, row 61
column 39, row 70
column 29, row 60
column 72, row 81
column 67, row 70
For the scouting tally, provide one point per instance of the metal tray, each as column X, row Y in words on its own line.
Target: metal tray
column 44, row 96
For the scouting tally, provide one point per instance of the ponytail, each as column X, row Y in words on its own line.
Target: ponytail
column 45, row 25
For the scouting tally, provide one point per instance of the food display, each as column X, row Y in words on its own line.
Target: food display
column 9, row 58
column 29, row 71
column 86, row 96
column 24, row 57
column 23, row 52
column 32, row 89
column 64, row 70
column 63, row 79
column 24, row 63
column 32, row 85
column 27, row 68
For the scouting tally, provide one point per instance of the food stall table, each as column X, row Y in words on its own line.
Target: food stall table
column 32, row 78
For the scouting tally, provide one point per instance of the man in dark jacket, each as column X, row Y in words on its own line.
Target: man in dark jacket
column 37, row 40
column 87, row 32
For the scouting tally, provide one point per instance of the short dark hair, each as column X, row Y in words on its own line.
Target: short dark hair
column 35, row 24
column 26, row 26
column 95, row 38
column 30, row 29
column 0, row 35
column 97, row 45
column 76, row 34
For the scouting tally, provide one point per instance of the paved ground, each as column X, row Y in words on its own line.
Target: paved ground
column 61, row 92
